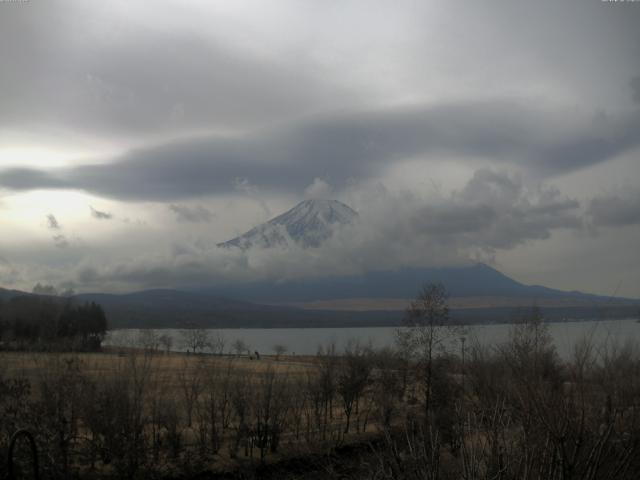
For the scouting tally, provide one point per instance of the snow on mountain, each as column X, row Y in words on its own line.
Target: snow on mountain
column 307, row 224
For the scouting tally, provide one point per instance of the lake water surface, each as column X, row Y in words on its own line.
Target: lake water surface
column 305, row 341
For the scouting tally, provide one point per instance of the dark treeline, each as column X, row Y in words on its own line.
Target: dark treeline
column 45, row 323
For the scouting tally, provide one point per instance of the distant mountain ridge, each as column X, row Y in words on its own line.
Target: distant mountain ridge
column 6, row 294
column 167, row 308
column 307, row 224
column 246, row 305
column 404, row 283
column 176, row 308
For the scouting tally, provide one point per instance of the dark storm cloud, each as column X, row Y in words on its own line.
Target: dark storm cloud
column 60, row 241
column 99, row 214
column 346, row 148
column 599, row 143
column 28, row 178
column 197, row 214
column 52, row 222
column 113, row 71
column 70, row 65
column 495, row 211
column 40, row 289
column 446, row 220
column 635, row 88
column 616, row 210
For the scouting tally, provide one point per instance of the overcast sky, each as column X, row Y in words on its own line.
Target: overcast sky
column 134, row 136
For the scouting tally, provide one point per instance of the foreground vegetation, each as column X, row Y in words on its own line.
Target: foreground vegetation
column 515, row 411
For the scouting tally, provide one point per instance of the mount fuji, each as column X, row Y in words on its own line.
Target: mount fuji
column 307, row 225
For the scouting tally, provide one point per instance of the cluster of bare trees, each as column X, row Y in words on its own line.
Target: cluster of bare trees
column 513, row 411
column 423, row 410
column 147, row 412
column 192, row 339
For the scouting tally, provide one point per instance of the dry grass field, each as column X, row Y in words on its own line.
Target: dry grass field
column 171, row 408
column 34, row 365
column 514, row 412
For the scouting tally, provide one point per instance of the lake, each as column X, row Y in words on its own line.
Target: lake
column 305, row 341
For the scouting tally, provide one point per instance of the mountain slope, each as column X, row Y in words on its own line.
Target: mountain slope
column 9, row 294
column 307, row 224
column 466, row 281
column 231, row 306
column 174, row 309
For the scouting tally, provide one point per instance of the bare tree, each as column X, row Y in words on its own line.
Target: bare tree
column 239, row 346
column 217, row 343
column 115, row 414
column 166, row 341
column 387, row 388
column 427, row 328
column 148, row 339
column 195, row 339
column 191, row 379
column 352, row 379
column 327, row 385
column 299, row 405
column 279, row 350
column 61, row 387
column 217, row 401
column 240, row 402
column 269, row 408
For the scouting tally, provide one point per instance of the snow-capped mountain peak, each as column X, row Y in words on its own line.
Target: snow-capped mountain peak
column 307, row 224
